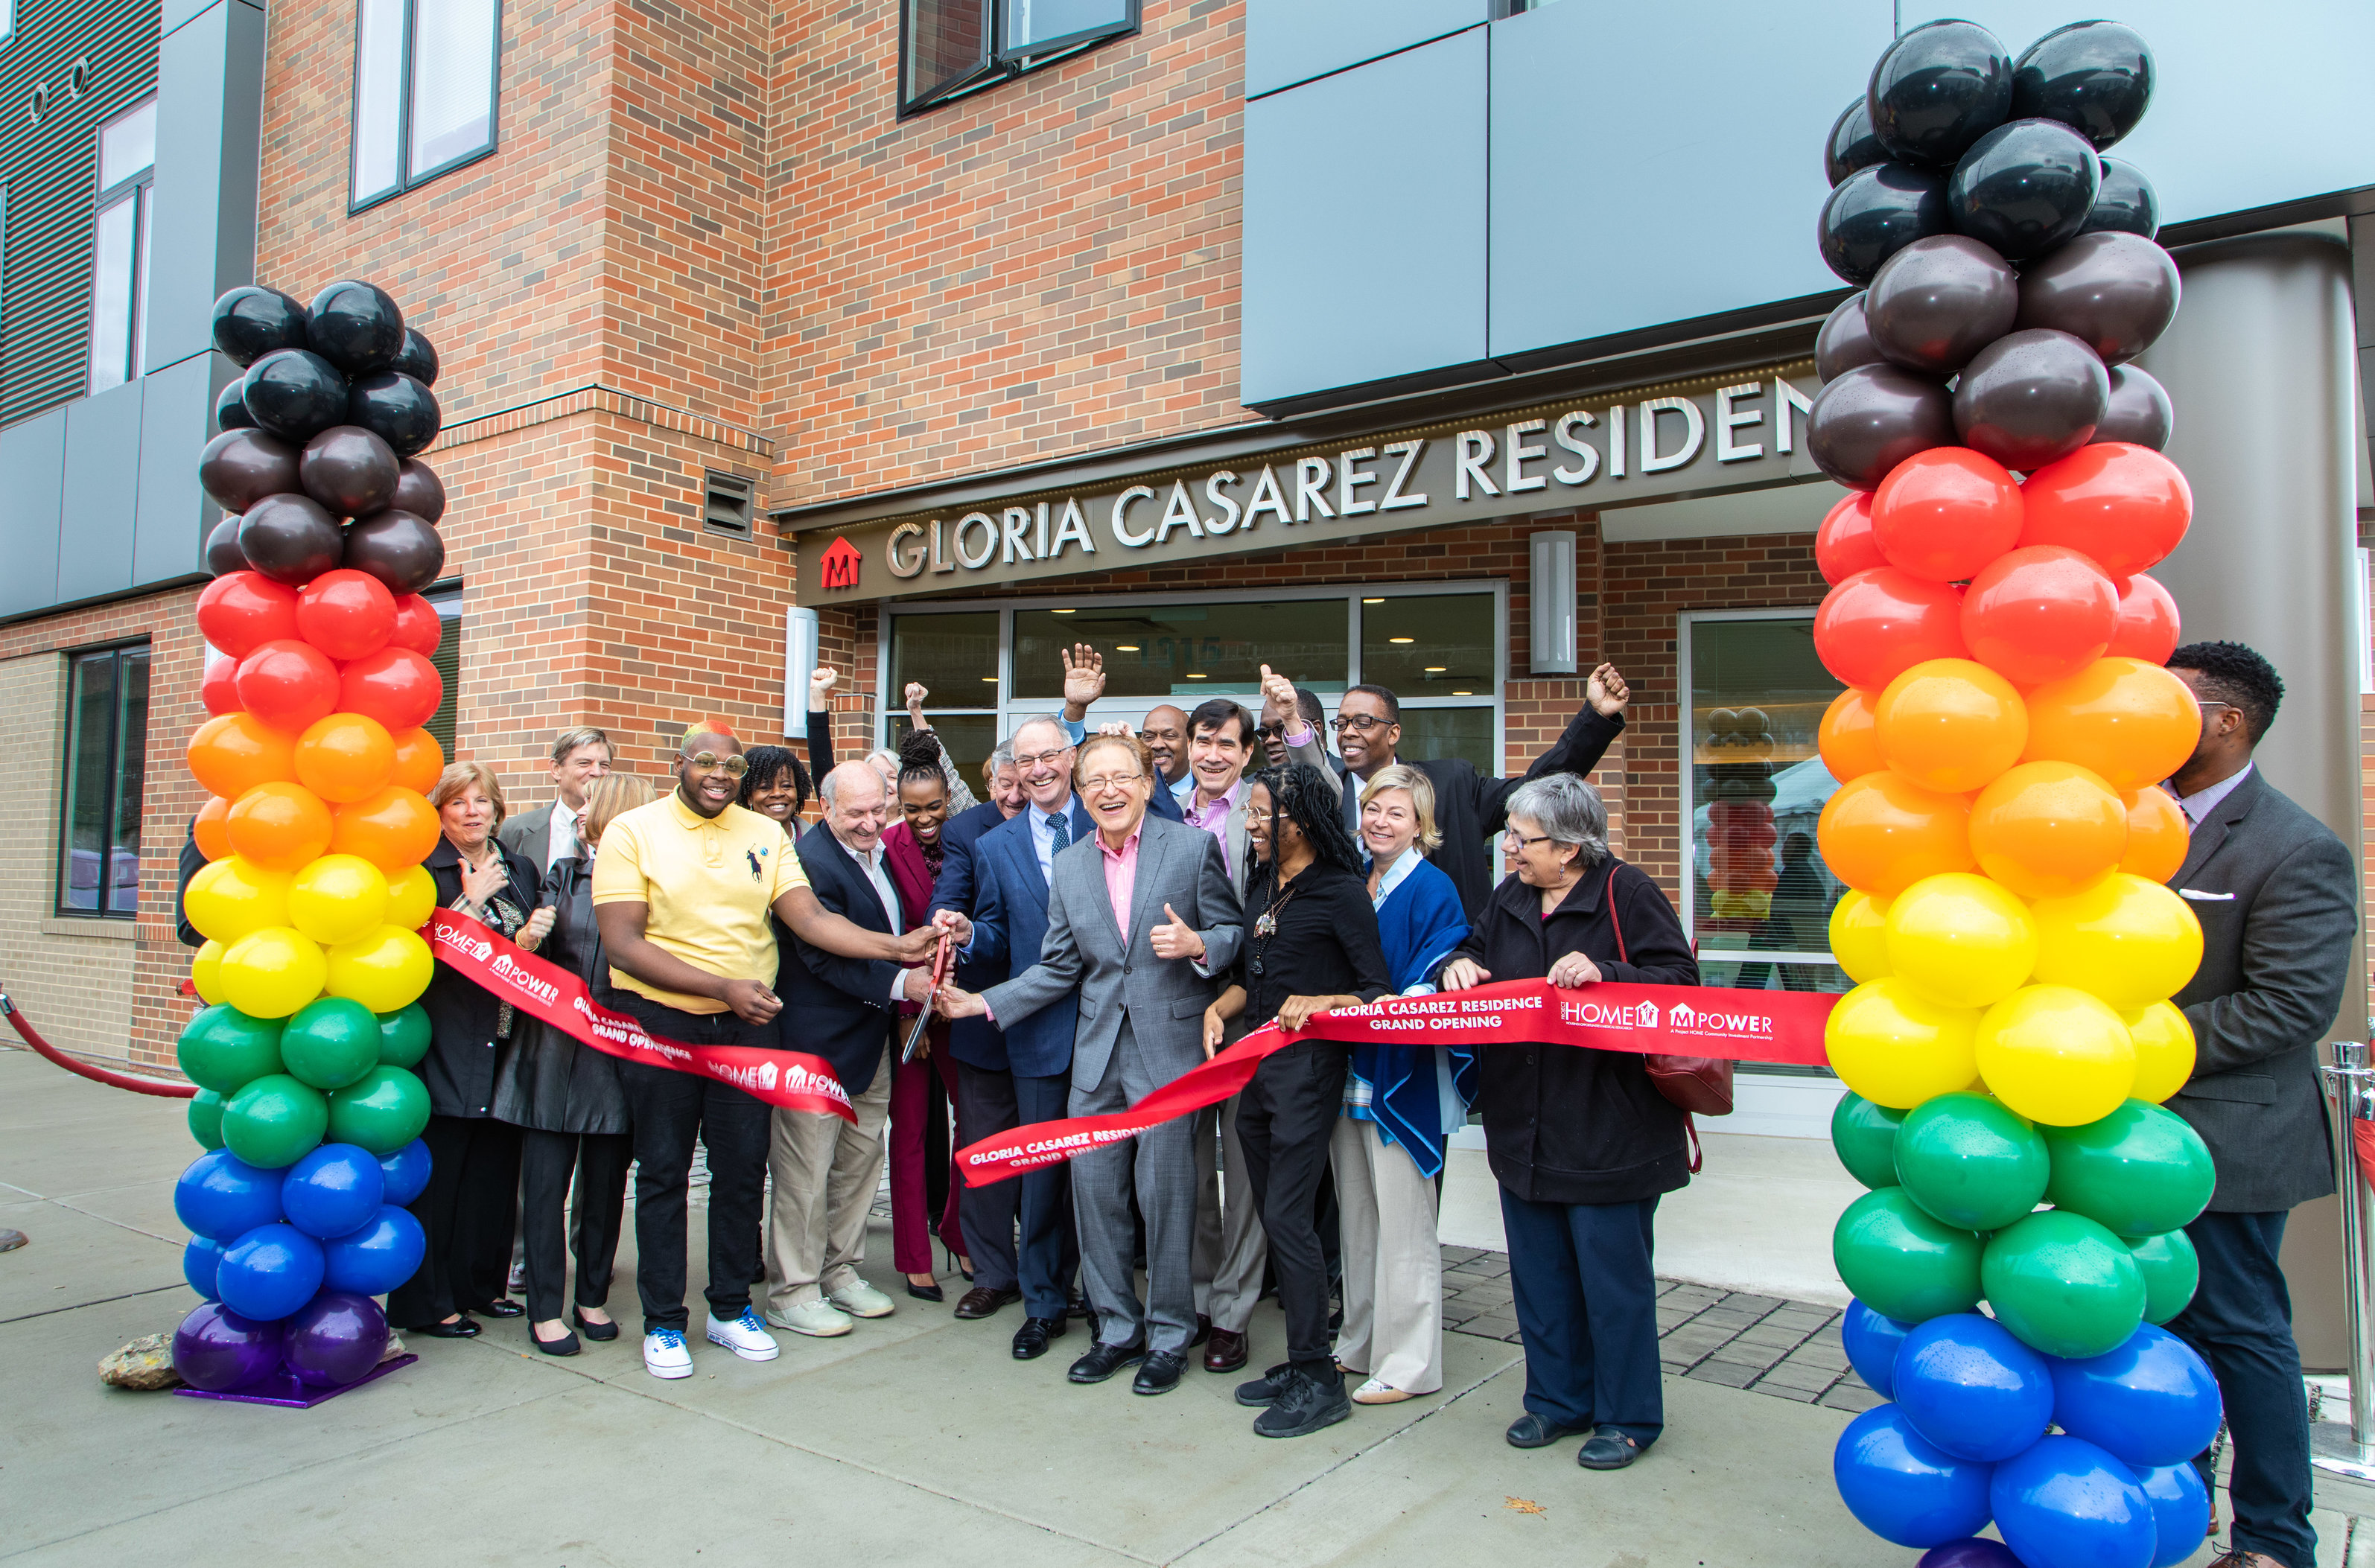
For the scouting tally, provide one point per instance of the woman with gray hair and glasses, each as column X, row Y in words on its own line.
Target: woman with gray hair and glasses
column 1580, row 1140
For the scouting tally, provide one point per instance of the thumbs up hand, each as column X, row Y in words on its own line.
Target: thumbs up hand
column 1175, row 938
column 1277, row 699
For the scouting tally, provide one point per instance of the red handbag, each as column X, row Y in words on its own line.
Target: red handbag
column 1696, row 1085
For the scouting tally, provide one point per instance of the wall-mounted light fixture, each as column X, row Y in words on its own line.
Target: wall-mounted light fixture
column 1550, row 597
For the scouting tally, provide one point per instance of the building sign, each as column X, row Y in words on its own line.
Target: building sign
column 1657, row 443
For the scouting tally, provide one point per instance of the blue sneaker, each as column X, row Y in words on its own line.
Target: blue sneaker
column 746, row 1336
column 665, row 1354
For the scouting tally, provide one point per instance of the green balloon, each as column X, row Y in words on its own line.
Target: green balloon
column 225, row 1050
column 404, row 1036
column 1971, row 1161
column 383, row 1113
column 205, row 1118
column 275, row 1121
column 2063, row 1285
column 2170, row 1270
column 331, row 1043
column 2139, row 1171
column 1863, row 1134
column 1902, row 1263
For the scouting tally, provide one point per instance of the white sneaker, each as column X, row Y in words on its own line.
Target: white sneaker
column 818, row 1319
column 861, row 1299
column 665, row 1354
column 745, row 1335
column 1376, row 1393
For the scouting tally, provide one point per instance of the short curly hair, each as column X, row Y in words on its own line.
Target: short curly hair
column 2237, row 676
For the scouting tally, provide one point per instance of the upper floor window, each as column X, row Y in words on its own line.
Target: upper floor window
column 106, row 763
column 424, row 91
column 119, row 295
column 952, row 48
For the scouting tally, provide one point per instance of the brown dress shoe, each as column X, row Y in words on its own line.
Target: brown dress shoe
column 981, row 1300
column 2245, row 1560
column 1224, row 1351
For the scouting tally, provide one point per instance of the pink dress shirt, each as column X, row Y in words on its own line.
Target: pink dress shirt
column 1215, row 820
column 1121, row 878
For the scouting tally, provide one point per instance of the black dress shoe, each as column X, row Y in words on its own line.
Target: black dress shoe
column 594, row 1330
column 460, row 1328
column 1105, row 1360
column 1530, row 1431
column 926, row 1292
column 506, row 1307
column 1608, row 1449
column 1159, row 1373
column 981, row 1302
column 1268, row 1387
column 1031, row 1341
column 564, row 1346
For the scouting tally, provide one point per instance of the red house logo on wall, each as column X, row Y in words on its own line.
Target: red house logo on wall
column 837, row 568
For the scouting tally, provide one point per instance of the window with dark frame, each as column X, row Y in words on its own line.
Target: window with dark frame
column 445, row 598
column 106, row 763
column 411, row 125
column 951, row 49
column 120, row 239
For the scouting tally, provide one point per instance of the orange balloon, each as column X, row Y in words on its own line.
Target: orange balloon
column 232, row 754
column 1950, row 724
column 418, row 760
column 213, row 842
column 2157, row 835
column 344, row 756
column 391, row 829
column 2046, row 830
column 2131, row 722
column 1845, row 738
column 279, row 826
column 1880, row 834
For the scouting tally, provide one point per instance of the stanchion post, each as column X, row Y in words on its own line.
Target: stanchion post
column 2350, row 1101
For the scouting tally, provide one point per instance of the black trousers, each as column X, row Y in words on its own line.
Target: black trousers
column 2240, row 1320
column 671, row 1112
column 599, row 1161
column 466, row 1211
column 1586, row 1297
column 989, row 1102
column 1284, row 1119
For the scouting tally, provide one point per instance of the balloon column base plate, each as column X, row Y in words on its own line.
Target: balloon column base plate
column 2333, row 1451
column 282, row 1387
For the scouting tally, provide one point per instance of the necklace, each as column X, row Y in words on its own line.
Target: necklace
column 1264, row 928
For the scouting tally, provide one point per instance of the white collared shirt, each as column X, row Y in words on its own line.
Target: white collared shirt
column 878, row 875
column 2198, row 805
column 1396, row 875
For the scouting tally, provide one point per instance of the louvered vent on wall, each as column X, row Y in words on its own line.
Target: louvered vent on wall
column 725, row 503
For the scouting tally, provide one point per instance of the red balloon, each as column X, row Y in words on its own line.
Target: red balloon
column 395, row 686
column 219, row 689
column 239, row 611
column 417, row 625
column 1880, row 623
column 1844, row 545
column 2125, row 505
column 2148, row 621
column 2040, row 613
column 346, row 614
column 1946, row 513
column 287, row 684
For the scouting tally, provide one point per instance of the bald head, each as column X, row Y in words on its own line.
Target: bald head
column 857, row 805
column 1165, row 734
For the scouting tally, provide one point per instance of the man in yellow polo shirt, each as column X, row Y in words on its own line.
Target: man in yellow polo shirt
column 682, row 891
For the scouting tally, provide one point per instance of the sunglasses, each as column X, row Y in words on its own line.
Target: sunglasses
column 710, row 761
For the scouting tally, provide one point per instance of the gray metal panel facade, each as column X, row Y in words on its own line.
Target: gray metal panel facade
column 210, row 85
column 102, row 491
column 1293, row 41
column 33, row 465
column 169, row 531
column 1364, row 220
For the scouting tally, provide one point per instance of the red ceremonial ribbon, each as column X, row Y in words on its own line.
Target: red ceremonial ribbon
column 1682, row 1021
column 2362, row 1149
column 793, row 1079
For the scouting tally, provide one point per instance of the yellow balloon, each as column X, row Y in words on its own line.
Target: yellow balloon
column 235, row 896
column 205, row 974
column 411, row 897
column 1896, row 1047
column 2127, row 941
column 1856, row 938
column 387, row 969
column 1963, row 940
column 338, row 898
column 272, row 972
column 2164, row 1050
column 2056, row 1054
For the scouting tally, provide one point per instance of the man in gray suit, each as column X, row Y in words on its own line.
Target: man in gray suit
column 1139, row 916
column 2277, row 897
column 548, row 834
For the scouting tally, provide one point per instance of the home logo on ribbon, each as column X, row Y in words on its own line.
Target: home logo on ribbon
column 1590, row 1013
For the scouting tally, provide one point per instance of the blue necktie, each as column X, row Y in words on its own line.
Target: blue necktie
column 1061, row 826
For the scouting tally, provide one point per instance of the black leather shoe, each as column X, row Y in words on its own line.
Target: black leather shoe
column 981, row 1301
column 1031, row 1341
column 1530, row 1431
column 506, row 1307
column 565, row 1346
column 926, row 1292
column 1159, row 1373
column 1105, row 1361
column 1608, row 1449
column 465, row 1327
column 1266, row 1388
column 596, row 1331
column 1304, row 1404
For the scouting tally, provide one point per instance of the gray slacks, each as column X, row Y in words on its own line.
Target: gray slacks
column 1159, row 1166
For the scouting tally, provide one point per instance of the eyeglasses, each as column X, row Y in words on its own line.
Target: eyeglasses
column 1511, row 841
column 1033, row 760
column 1270, row 732
column 1359, row 724
column 710, row 761
column 1103, row 782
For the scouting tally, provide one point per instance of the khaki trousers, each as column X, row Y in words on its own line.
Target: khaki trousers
column 1394, row 1266
column 825, row 1174
column 1231, row 1247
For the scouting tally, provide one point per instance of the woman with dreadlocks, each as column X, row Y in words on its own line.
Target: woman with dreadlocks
column 1310, row 946
column 921, row 1090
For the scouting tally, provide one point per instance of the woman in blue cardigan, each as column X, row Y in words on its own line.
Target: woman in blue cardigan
column 1400, row 1102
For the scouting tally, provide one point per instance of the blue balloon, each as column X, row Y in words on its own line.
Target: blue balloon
column 332, row 1190
column 199, row 1261
column 2066, row 1503
column 222, row 1197
column 1969, row 1387
column 2150, row 1402
column 2180, row 1506
column 1872, row 1341
column 1902, row 1487
column 406, row 1171
column 377, row 1258
column 269, row 1272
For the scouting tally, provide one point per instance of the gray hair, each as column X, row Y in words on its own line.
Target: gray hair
column 829, row 793
column 569, row 740
column 1053, row 723
column 1568, row 811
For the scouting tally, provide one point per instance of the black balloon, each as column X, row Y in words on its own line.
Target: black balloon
column 419, row 491
column 349, row 470
column 1940, row 300
column 1852, row 146
column 1877, row 212
column 1938, row 89
column 417, row 359
column 2114, row 292
column 241, row 468
column 2025, row 188
column 399, row 410
column 1871, row 419
column 357, row 327
column 231, row 410
column 250, row 321
column 2031, row 398
column 289, row 538
column 295, row 394
column 223, row 554
column 1845, row 341
column 2125, row 204
column 2095, row 77
column 2139, row 410
column 398, row 548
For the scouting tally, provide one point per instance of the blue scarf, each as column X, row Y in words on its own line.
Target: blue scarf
column 1418, row 926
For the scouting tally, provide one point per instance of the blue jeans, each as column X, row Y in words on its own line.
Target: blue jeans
column 1586, row 1302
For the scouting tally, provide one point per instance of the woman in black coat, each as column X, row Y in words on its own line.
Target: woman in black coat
column 1580, row 1140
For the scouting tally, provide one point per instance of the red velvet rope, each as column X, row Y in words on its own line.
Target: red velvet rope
column 164, row 1088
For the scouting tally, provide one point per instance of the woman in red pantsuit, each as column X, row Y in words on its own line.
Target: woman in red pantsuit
column 911, row 848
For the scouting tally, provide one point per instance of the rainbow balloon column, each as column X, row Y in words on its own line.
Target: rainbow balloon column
column 313, row 891
column 2010, row 1036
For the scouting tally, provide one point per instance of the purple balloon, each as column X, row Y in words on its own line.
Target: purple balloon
column 216, row 1348
column 336, row 1338
column 1845, row 341
column 1972, row 1551
column 1873, row 418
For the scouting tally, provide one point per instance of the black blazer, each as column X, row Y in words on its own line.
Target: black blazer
column 544, row 1080
column 836, row 1007
column 463, row 1052
column 2277, row 898
column 975, row 1040
column 1564, row 1123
